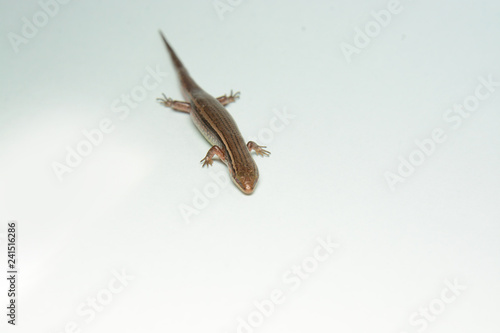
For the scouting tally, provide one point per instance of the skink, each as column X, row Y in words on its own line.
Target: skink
column 217, row 126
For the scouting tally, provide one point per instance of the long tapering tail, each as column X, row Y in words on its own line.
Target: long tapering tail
column 178, row 64
column 187, row 82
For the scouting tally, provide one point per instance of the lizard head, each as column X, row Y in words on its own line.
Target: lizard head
column 246, row 178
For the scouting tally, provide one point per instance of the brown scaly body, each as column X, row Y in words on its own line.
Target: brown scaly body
column 218, row 127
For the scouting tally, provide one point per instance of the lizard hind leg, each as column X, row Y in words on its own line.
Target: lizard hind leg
column 174, row 105
column 225, row 100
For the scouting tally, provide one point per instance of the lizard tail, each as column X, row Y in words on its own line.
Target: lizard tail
column 181, row 70
column 178, row 64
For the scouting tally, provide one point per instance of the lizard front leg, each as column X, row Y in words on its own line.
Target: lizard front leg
column 258, row 149
column 215, row 150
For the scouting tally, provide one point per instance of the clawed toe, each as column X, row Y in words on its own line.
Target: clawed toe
column 166, row 101
column 258, row 149
column 263, row 152
column 206, row 162
column 236, row 95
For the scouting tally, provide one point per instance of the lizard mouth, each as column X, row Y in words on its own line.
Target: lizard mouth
column 245, row 184
column 248, row 189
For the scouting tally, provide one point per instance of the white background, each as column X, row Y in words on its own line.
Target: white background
column 121, row 208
